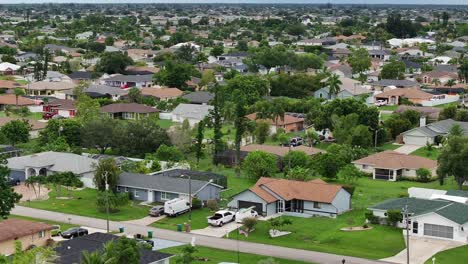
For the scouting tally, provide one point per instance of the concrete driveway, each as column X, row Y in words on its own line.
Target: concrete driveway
column 145, row 221
column 421, row 249
column 217, row 231
column 407, row 149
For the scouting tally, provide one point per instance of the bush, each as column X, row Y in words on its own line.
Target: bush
column 259, row 164
column 249, row 223
column 371, row 217
column 196, row 203
column 394, row 216
column 212, row 205
column 169, row 153
column 423, row 175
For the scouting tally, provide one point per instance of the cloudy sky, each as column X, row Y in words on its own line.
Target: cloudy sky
column 445, row 2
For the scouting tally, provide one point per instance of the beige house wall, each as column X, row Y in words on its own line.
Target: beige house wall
column 8, row 247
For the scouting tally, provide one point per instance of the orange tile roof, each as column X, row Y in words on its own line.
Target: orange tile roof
column 394, row 160
column 9, row 84
column 410, row 93
column 162, row 92
column 280, row 150
column 288, row 119
column 315, row 190
column 10, row 99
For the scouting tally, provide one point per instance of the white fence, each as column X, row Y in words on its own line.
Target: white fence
column 166, row 116
column 448, row 99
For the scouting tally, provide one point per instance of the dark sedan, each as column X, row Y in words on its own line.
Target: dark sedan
column 74, row 232
column 156, row 211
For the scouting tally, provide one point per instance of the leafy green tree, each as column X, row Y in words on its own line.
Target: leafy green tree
column 295, row 159
column 239, row 124
column 334, row 85
column 397, row 125
column 217, row 50
column 411, row 115
column 122, row 250
column 109, row 41
column 199, row 144
column 349, row 173
column 134, row 95
column 272, row 57
column 114, row 200
column 106, row 167
column 215, row 115
column 253, row 88
column 113, row 62
column 169, row 153
column 242, row 45
column 58, row 144
column 7, row 195
column 187, row 255
column 423, row 175
column 16, row 131
column 68, row 129
column 99, row 133
column 393, row 70
column 453, row 159
column 306, row 61
column 259, row 164
column 18, row 92
column 299, row 174
column 87, row 109
column 262, row 131
column 359, row 60
column 175, row 74
column 361, row 136
column 295, row 86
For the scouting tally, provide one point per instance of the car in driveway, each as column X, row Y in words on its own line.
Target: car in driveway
column 156, row 211
column 245, row 213
column 380, row 102
column 74, row 232
column 221, row 217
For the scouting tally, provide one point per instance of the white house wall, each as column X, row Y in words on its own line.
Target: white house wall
column 342, row 201
column 435, row 219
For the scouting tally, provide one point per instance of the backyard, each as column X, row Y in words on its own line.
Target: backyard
column 214, row 256
column 85, row 201
column 35, row 116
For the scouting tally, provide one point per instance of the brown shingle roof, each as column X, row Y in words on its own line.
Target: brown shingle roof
column 53, row 86
column 9, row 84
column 315, row 190
column 16, row 228
column 410, row 93
column 288, row 119
column 394, row 160
column 128, row 108
column 280, row 150
column 162, row 93
column 35, row 125
column 10, row 99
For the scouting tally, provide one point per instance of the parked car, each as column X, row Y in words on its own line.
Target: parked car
column 296, row 141
column 245, row 213
column 74, row 232
column 380, row 103
column 156, row 210
column 48, row 115
column 176, row 207
column 221, row 217
column 56, row 230
column 13, row 182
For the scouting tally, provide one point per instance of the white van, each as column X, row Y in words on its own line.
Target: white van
column 176, row 206
column 244, row 213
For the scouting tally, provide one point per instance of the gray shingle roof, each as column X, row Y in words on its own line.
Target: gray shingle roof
column 104, row 89
column 131, row 78
column 161, row 182
column 192, row 111
column 397, row 83
column 456, row 212
column 200, row 97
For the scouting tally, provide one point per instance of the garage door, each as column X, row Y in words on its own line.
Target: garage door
column 438, row 231
column 413, row 140
column 245, row 204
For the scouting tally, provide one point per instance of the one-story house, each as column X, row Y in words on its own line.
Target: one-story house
column 289, row 123
column 161, row 94
column 50, row 162
column 431, row 113
column 61, row 107
column 71, row 251
column 36, row 126
column 430, row 218
column 194, row 113
column 271, row 196
column 127, row 81
column 199, row 97
column 30, row 234
column 129, row 110
column 57, row 89
column 159, row 187
column 414, row 95
column 432, row 132
column 7, row 68
column 104, row 91
column 348, row 88
column 10, row 100
column 391, row 165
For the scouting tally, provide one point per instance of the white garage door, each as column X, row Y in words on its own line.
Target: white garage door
column 413, row 140
column 438, row 231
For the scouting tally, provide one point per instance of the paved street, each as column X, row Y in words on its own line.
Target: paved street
column 220, row 243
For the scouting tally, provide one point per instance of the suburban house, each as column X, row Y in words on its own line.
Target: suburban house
column 431, row 113
column 380, row 85
column 7, row 68
column 271, row 196
column 61, row 107
column 30, row 234
column 128, row 110
column 50, row 162
column 432, row 132
column 289, row 123
column 57, row 89
column 442, row 76
column 104, row 91
column 391, row 165
column 79, row 76
column 194, row 113
column 348, row 88
column 160, row 187
column 380, row 54
column 10, row 100
column 199, row 97
column 162, row 94
column 36, row 126
column 6, row 86
column 127, row 81
column 393, row 96
column 431, row 215
column 71, row 251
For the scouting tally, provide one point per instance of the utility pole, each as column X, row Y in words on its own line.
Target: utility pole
column 406, row 217
column 107, row 200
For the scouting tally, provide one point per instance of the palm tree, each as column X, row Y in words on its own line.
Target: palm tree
column 278, row 109
column 92, row 258
column 18, row 92
column 436, row 82
column 449, row 84
column 334, row 85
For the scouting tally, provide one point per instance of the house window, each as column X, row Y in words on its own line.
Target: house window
column 317, row 205
column 137, row 193
column 118, row 188
column 126, row 189
column 279, row 206
column 128, row 115
column 41, row 234
column 365, row 167
column 415, row 227
column 165, row 196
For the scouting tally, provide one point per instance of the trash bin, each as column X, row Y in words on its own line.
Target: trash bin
column 179, row 227
column 150, row 234
column 121, row 229
column 187, row 228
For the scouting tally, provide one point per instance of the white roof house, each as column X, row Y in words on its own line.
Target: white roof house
column 5, row 66
column 396, row 42
column 194, row 113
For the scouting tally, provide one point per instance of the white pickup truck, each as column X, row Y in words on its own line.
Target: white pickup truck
column 221, row 217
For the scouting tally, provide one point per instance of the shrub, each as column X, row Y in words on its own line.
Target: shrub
column 196, row 203
column 371, row 217
column 394, row 216
column 259, row 164
column 212, row 205
column 169, row 153
column 249, row 223
column 365, row 226
column 423, row 175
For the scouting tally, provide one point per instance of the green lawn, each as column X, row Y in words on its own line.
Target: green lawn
column 214, row 256
column 163, row 123
column 389, row 146
column 36, row 116
column 84, row 203
column 388, row 107
column 423, row 152
column 447, row 105
column 457, row 255
column 63, row 226
column 198, row 220
column 384, row 117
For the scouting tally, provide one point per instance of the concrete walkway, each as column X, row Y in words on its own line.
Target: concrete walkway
column 220, row 243
column 421, row 249
column 145, row 221
column 407, row 149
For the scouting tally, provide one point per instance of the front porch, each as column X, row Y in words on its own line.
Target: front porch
column 387, row 174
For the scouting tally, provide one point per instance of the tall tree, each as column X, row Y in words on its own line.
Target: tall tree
column 359, row 60
column 18, row 92
column 453, row 159
column 217, row 125
column 8, row 196
column 199, row 144
column 134, row 95
column 99, row 133
column 16, row 131
column 334, row 85
column 240, row 125
column 106, row 167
